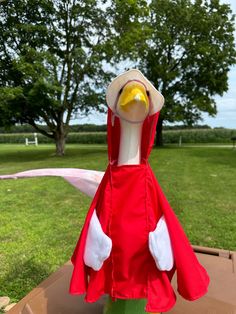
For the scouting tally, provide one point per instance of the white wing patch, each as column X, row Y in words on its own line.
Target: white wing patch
column 98, row 245
column 160, row 246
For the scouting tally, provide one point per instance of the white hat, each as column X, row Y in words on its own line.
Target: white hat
column 114, row 87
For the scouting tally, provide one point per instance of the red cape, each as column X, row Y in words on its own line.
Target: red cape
column 129, row 202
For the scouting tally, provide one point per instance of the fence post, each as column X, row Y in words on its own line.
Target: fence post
column 35, row 139
column 180, row 140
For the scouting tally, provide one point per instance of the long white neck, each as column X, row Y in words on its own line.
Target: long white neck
column 130, row 143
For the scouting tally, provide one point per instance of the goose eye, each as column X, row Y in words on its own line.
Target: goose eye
column 120, row 91
column 148, row 93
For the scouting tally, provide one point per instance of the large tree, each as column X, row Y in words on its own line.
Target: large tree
column 184, row 47
column 52, row 53
column 51, row 62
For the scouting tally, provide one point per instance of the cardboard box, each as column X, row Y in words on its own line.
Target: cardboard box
column 52, row 297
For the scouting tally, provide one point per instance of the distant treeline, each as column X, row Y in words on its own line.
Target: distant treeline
column 26, row 128
column 170, row 136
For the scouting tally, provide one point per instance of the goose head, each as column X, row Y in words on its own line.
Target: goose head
column 133, row 102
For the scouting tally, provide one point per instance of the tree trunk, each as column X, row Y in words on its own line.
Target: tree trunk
column 60, row 143
column 159, row 138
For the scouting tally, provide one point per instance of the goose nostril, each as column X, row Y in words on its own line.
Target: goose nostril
column 137, row 97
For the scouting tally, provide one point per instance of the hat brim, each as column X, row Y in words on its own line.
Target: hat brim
column 114, row 87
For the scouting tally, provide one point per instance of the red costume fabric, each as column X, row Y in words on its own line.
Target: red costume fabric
column 129, row 202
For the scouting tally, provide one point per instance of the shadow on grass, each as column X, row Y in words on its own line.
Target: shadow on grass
column 38, row 153
column 22, row 278
column 24, row 155
column 217, row 156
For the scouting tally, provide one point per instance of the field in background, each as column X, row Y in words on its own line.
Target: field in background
column 41, row 218
column 169, row 137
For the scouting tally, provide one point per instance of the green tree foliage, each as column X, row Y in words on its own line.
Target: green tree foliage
column 184, row 47
column 51, row 55
column 53, row 52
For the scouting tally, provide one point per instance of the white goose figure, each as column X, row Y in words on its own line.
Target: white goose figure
column 132, row 108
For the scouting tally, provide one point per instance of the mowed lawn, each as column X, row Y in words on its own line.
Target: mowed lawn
column 41, row 218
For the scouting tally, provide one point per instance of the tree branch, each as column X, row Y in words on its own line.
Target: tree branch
column 178, row 62
column 31, row 122
column 68, row 117
column 50, row 124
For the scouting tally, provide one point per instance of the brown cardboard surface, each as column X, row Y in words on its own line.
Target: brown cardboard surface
column 52, row 297
column 221, row 296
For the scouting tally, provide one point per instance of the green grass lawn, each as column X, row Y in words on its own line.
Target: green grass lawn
column 41, row 218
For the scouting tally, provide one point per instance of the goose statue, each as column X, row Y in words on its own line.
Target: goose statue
column 131, row 243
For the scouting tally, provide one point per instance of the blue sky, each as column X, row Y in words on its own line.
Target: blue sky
column 226, row 105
